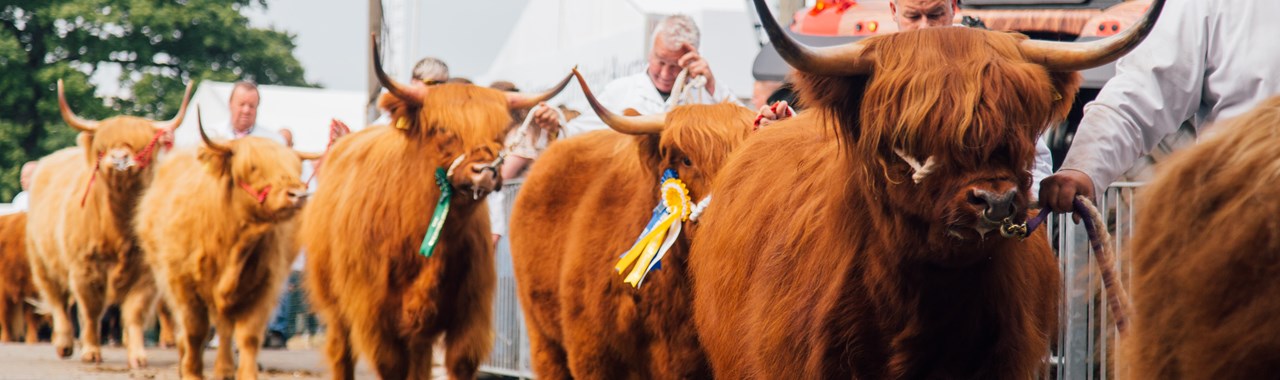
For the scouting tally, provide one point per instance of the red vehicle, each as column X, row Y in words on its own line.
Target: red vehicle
column 833, row 22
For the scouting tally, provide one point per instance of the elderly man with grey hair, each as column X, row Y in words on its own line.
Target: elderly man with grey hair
column 430, row 71
column 675, row 48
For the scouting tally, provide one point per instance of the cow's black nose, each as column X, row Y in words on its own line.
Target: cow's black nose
column 995, row 206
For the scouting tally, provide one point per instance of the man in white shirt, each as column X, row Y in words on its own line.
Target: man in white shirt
column 22, row 201
column 675, row 48
column 1205, row 59
column 244, row 115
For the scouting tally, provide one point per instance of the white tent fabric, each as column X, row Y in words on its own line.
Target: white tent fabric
column 304, row 111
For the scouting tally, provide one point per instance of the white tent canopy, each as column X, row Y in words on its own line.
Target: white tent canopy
column 304, row 111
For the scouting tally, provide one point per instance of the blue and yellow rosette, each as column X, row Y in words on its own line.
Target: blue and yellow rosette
column 660, row 234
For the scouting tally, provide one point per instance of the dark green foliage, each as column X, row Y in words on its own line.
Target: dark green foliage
column 158, row 44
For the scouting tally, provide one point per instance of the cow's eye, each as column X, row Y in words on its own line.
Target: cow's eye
column 686, row 161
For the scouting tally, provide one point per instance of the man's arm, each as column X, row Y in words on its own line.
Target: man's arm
column 1156, row 88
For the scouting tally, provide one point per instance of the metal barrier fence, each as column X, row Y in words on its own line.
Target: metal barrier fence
column 1085, row 349
column 510, row 355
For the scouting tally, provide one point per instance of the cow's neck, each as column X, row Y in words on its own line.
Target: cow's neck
column 115, row 199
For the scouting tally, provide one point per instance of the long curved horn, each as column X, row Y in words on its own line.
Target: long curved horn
column 176, row 121
column 307, row 155
column 70, row 117
column 841, row 60
column 1076, row 56
column 204, row 136
column 523, row 100
column 411, row 94
column 631, row 125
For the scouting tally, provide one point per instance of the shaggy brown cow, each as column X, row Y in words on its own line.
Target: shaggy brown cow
column 79, row 236
column 856, row 241
column 217, row 227
column 1206, row 279
column 15, row 279
column 585, row 201
column 362, row 231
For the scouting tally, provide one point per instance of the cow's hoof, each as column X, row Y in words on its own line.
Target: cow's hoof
column 64, row 351
column 91, row 356
column 138, row 362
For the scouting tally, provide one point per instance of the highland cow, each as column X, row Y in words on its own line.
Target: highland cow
column 858, row 240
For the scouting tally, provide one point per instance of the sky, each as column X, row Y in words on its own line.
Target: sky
column 332, row 35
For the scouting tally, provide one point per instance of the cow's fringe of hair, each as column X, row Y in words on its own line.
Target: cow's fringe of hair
column 1204, row 259
column 441, row 113
column 708, row 147
column 915, row 108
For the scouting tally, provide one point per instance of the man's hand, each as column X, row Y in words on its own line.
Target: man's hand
column 770, row 114
column 546, row 119
column 697, row 66
column 337, row 129
column 1059, row 191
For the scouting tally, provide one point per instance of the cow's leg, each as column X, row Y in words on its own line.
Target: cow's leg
column 54, row 294
column 166, row 327
column 590, row 348
column 91, row 301
column 138, row 305
column 32, row 328
column 224, row 362
column 421, row 359
column 33, row 324
column 6, row 320
column 249, row 331
column 192, row 334
column 467, row 343
column 549, row 359
column 338, row 349
column 388, row 354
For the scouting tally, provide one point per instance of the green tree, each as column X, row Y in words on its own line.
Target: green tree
column 159, row 45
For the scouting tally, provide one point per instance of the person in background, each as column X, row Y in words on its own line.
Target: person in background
column 429, row 71
column 1205, row 60
column 244, row 115
column 676, row 40
column 22, row 201
column 287, row 135
column 292, row 302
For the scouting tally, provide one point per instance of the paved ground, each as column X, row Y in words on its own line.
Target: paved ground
column 38, row 362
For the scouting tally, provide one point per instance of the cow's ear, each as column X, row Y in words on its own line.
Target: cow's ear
column 1065, row 87
column 85, row 140
column 649, row 147
column 216, row 161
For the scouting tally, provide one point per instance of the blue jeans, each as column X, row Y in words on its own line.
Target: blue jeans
column 292, row 303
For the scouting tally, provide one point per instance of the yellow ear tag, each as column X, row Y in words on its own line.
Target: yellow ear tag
column 401, row 123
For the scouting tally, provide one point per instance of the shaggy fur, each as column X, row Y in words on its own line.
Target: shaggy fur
column 89, row 251
column 821, row 258
column 1206, row 259
column 217, row 252
column 15, row 280
column 362, row 230
column 585, row 201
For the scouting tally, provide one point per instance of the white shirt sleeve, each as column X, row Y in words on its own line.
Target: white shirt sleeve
column 614, row 97
column 22, row 201
column 497, row 218
column 1156, row 88
column 1043, row 166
